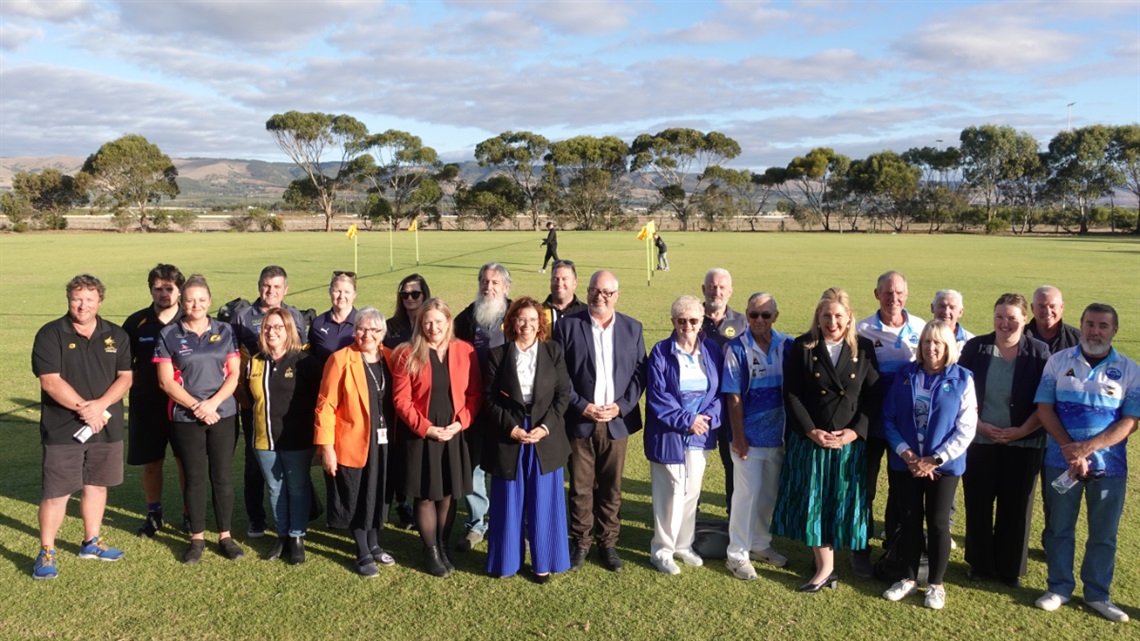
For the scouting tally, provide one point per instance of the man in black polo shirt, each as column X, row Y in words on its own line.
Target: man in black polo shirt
column 562, row 300
column 148, row 426
column 1047, row 325
column 272, row 286
column 84, row 366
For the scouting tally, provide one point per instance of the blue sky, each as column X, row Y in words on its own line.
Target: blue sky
column 201, row 77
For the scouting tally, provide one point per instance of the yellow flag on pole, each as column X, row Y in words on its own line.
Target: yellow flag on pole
column 351, row 233
column 412, row 227
column 641, row 235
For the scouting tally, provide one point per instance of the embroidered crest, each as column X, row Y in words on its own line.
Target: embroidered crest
column 288, row 372
column 1113, row 374
column 730, row 331
column 215, row 338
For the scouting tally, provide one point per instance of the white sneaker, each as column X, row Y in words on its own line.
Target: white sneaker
column 1050, row 601
column 690, row 558
column 769, row 556
column 542, row 271
column 953, row 544
column 1108, row 610
column 900, row 590
column 741, row 569
column 665, row 566
column 935, row 597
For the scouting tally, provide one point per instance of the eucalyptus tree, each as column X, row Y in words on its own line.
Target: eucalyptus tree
column 1081, row 170
column 750, row 192
column 582, row 178
column 519, row 155
column 45, row 197
column 399, row 168
column 129, row 173
column 306, row 137
column 1124, row 153
column 671, row 156
column 890, row 185
column 812, row 176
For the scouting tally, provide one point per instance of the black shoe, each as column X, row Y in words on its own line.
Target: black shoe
column 434, row 563
column 407, row 519
column 193, row 554
column 367, row 568
column 151, row 525
column 541, row 579
column 830, row 582
column 611, row 559
column 976, row 576
column 1014, row 583
column 229, row 549
column 381, row 557
column 578, row 558
column 447, row 558
column 276, row 551
column 861, row 564
column 296, row 550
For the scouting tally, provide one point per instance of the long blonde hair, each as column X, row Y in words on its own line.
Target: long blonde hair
column 413, row 355
column 292, row 339
column 834, row 295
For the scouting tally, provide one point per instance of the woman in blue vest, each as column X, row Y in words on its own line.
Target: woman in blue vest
column 929, row 418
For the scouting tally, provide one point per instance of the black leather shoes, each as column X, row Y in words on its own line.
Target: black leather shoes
column 612, row 560
column 541, row 579
column 435, row 565
column 276, row 550
column 296, row 550
column 578, row 558
column 830, row 582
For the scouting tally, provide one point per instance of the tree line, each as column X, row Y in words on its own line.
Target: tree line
column 997, row 178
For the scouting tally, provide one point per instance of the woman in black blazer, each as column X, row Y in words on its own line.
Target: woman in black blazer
column 830, row 394
column 1005, row 457
column 527, row 391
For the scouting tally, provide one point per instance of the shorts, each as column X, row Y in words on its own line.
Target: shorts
column 148, row 433
column 68, row 467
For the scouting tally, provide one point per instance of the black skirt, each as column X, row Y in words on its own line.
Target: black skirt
column 358, row 496
column 436, row 469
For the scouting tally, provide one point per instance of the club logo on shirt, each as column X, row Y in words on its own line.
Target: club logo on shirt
column 1113, row 374
column 109, row 345
column 215, row 338
column 730, row 331
column 878, row 343
column 71, row 346
column 1070, row 372
column 323, row 330
column 288, row 372
column 946, row 387
column 913, row 338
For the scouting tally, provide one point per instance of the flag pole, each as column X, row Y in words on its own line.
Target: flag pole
column 417, row 243
column 391, row 254
column 355, row 254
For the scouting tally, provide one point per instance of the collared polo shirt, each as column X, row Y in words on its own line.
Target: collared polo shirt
column 284, row 398
column 247, row 326
column 758, row 378
column 144, row 327
column 894, row 346
column 693, row 382
column 89, row 365
column 199, row 363
column 732, row 325
column 327, row 336
column 553, row 314
column 961, row 335
column 1088, row 400
column 1069, row 336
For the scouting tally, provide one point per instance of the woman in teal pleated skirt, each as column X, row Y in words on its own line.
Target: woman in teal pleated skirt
column 831, row 392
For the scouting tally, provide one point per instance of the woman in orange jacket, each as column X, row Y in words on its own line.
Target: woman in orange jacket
column 353, row 422
column 437, row 392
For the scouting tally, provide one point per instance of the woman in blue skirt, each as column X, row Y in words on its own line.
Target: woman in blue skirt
column 830, row 393
column 527, row 391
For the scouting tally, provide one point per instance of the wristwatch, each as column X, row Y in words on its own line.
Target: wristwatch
column 938, row 460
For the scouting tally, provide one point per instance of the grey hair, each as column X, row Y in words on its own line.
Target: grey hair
column 948, row 293
column 761, row 296
column 683, row 302
column 717, row 271
column 503, row 271
column 1045, row 290
column 887, row 276
column 372, row 314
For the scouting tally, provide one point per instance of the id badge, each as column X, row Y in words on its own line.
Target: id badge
column 382, row 435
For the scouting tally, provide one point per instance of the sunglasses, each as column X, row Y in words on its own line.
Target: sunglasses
column 414, row 294
column 692, row 322
column 764, row 315
column 338, row 274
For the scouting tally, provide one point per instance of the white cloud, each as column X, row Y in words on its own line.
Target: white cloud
column 581, row 17
column 15, row 36
column 50, row 10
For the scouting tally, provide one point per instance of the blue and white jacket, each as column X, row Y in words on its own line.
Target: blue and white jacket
column 667, row 421
column 951, row 422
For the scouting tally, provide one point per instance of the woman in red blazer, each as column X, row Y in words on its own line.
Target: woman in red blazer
column 437, row 392
column 353, row 419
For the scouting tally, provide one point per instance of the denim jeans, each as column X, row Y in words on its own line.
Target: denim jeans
column 287, row 476
column 1105, row 499
column 478, row 502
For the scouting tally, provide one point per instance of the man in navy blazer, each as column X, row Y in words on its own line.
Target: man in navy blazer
column 605, row 357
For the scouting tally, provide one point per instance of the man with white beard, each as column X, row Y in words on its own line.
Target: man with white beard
column 481, row 324
column 1089, row 402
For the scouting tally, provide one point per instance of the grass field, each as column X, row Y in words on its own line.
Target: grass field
column 151, row 595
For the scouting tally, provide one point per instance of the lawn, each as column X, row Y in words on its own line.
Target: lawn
column 151, row 595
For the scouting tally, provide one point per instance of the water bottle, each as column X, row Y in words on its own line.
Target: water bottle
column 1064, row 482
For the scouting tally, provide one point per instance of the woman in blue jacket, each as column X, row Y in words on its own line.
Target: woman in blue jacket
column 929, row 418
column 682, row 414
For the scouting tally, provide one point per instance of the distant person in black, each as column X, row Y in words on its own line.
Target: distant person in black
column 551, row 244
column 148, row 430
column 662, row 262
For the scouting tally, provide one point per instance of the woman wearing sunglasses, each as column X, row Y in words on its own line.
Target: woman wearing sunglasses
column 411, row 293
column 682, row 414
column 334, row 329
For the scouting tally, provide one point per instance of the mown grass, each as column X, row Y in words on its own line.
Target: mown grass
column 151, row 595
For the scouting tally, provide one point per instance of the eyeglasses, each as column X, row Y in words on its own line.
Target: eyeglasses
column 413, row 294
column 526, row 321
column 693, row 322
column 764, row 315
column 338, row 274
column 273, row 328
column 375, row 331
column 604, row 293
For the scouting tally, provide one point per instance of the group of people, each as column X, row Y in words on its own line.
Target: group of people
column 424, row 406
